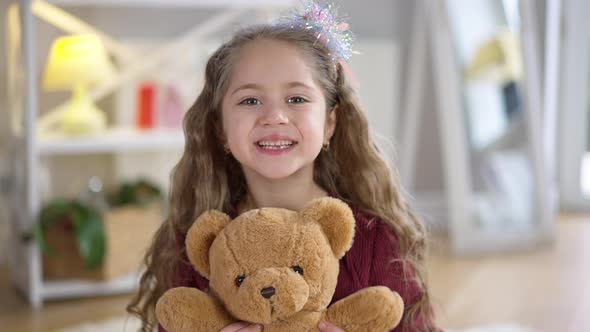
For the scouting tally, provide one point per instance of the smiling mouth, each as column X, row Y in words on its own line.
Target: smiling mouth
column 275, row 145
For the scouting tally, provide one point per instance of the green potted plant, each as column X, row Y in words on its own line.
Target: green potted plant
column 81, row 239
column 76, row 218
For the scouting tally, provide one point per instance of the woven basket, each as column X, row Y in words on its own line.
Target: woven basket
column 128, row 233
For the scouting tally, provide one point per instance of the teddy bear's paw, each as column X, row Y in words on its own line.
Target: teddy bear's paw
column 376, row 309
column 393, row 306
column 188, row 309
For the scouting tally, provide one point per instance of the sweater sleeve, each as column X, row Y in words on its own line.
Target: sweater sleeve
column 387, row 269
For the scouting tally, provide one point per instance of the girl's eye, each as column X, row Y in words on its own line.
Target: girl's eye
column 297, row 100
column 240, row 280
column 298, row 269
column 250, row 102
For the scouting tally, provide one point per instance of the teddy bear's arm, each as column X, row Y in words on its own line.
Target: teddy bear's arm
column 376, row 309
column 185, row 309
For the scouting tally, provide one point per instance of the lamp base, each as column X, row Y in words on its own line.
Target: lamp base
column 82, row 122
column 77, row 117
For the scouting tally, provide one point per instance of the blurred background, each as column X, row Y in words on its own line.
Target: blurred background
column 482, row 105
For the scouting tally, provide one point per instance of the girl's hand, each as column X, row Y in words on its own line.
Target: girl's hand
column 327, row 327
column 242, row 327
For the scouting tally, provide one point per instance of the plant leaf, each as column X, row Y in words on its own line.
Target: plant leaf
column 49, row 215
column 90, row 237
column 40, row 239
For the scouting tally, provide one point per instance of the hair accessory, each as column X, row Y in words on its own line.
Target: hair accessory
column 323, row 21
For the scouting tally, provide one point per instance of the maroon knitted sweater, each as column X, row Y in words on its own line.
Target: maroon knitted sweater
column 373, row 259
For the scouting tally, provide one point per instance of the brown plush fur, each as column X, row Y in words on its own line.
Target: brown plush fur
column 263, row 246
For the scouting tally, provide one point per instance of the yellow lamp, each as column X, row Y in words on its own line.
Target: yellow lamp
column 75, row 63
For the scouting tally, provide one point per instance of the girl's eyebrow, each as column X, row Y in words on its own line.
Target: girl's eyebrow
column 297, row 84
column 247, row 86
column 258, row 87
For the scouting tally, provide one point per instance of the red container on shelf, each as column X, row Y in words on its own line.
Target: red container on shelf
column 146, row 105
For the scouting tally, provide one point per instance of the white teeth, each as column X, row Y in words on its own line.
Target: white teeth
column 279, row 147
column 275, row 143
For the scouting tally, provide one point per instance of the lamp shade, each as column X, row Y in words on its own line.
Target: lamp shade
column 76, row 60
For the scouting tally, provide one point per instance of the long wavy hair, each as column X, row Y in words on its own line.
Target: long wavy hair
column 208, row 178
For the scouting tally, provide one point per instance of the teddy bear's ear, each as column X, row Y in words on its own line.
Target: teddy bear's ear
column 336, row 220
column 200, row 237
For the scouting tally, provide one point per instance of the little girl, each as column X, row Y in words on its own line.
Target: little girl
column 277, row 125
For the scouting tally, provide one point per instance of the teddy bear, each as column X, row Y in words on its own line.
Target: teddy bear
column 278, row 268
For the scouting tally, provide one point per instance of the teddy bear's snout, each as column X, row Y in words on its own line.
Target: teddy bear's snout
column 267, row 292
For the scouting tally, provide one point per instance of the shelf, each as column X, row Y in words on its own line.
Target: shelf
column 113, row 140
column 174, row 3
column 63, row 289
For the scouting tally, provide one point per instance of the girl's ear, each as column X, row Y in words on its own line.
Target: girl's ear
column 336, row 220
column 200, row 237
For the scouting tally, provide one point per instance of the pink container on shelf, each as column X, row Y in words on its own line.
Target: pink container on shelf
column 171, row 111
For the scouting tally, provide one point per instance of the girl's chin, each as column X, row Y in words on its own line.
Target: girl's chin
column 274, row 175
column 278, row 172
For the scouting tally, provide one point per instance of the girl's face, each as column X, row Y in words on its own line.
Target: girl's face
column 274, row 113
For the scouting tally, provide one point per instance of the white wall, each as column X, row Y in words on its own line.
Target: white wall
column 376, row 69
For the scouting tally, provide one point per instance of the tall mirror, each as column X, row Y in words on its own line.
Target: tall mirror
column 574, row 102
column 486, row 39
column 488, row 91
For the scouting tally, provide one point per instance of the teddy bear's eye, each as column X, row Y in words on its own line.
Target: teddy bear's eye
column 240, row 280
column 298, row 269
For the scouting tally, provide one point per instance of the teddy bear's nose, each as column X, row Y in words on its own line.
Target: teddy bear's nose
column 267, row 292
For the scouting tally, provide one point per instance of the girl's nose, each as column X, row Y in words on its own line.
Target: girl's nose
column 273, row 114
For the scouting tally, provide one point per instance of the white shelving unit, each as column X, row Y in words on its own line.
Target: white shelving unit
column 25, row 259
column 113, row 140
column 54, row 290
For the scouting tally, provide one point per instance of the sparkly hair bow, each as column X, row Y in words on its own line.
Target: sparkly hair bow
column 323, row 22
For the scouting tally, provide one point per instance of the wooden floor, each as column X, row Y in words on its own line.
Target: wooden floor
column 17, row 316
column 547, row 290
